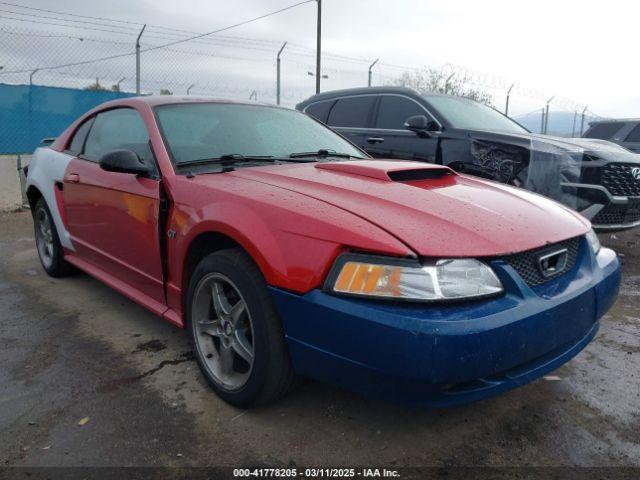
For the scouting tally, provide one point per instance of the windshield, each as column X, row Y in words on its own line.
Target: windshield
column 467, row 114
column 198, row 131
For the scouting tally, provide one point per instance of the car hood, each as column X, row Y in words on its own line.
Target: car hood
column 594, row 147
column 430, row 208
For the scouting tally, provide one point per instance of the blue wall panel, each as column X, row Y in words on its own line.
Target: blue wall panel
column 30, row 113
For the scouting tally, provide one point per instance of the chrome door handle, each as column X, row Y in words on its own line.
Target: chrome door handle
column 72, row 178
column 375, row 140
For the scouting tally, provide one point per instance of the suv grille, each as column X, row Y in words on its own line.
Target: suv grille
column 617, row 178
column 527, row 263
column 617, row 215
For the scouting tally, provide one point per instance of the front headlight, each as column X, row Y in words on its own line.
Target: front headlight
column 594, row 241
column 382, row 277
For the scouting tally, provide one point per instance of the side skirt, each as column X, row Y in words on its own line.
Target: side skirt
column 125, row 289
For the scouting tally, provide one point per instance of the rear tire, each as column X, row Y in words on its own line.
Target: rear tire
column 48, row 244
column 237, row 336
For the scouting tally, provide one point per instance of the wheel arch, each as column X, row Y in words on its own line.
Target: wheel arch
column 210, row 241
column 33, row 195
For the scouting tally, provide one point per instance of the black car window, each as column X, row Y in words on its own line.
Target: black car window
column 634, row 135
column 604, row 131
column 466, row 114
column 118, row 129
column 320, row 110
column 394, row 111
column 77, row 142
column 351, row 111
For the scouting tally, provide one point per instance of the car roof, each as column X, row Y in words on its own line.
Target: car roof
column 614, row 120
column 408, row 91
column 156, row 100
column 357, row 91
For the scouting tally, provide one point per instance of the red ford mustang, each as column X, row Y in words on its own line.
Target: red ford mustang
column 284, row 249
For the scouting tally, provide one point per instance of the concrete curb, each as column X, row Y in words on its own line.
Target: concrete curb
column 12, row 181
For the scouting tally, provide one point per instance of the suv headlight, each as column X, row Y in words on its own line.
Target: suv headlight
column 594, row 241
column 439, row 280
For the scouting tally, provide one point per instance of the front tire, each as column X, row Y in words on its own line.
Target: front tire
column 237, row 336
column 48, row 244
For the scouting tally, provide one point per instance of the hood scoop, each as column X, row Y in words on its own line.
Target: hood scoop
column 389, row 171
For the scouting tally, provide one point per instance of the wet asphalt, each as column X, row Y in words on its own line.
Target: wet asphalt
column 88, row 378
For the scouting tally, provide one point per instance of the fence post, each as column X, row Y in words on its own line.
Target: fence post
column 582, row 120
column 370, row 68
column 546, row 115
column 138, row 60
column 278, row 73
column 542, row 122
column 506, row 106
column 23, row 181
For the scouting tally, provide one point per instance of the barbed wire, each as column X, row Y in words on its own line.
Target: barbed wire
column 219, row 65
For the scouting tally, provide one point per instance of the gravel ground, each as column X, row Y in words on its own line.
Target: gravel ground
column 88, row 378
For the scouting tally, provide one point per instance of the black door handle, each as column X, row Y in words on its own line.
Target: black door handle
column 375, row 140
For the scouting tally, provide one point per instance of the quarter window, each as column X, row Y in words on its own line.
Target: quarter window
column 395, row 110
column 634, row 136
column 77, row 142
column 118, row 129
column 320, row 110
column 604, row 131
column 351, row 112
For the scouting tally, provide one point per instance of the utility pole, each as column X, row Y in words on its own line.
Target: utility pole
column 370, row 67
column 119, row 82
column 542, row 122
column 506, row 106
column 582, row 120
column 278, row 73
column 546, row 115
column 138, row 59
column 318, row 46
column 573, row 127
column 190, row 87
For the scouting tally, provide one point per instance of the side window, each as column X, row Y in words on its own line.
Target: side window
column 77, row 142
column 604, row 130
column 351, row 111
column 634, row 135
column 320, row 110
column 118, row 129
column 394, row 111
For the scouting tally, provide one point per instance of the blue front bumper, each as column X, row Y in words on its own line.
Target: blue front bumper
column 450, row 354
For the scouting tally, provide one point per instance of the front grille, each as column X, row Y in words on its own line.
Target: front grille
column 618, row 215
column 527, row 263
column 617, row 178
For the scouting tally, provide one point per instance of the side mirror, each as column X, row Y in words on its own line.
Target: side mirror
column 124, row 161
column 420, row 125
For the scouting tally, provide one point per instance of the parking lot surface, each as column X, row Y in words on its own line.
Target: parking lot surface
column 88, row 378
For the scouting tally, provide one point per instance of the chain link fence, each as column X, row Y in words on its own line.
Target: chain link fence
column 97, row 55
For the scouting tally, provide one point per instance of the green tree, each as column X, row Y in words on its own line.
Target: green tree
column 437, row 80
column 165, row 91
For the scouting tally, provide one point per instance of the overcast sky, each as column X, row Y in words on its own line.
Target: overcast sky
column 582, row 50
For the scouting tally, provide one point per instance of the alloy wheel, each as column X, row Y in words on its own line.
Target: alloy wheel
column 44, row 237
column 223, row 331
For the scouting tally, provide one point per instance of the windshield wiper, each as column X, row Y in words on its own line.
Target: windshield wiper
column 321, row 153
column 226, row 159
